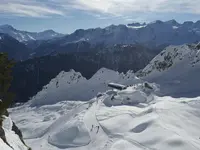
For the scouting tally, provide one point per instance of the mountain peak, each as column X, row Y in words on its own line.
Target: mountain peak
column 23, row 36
column 49, row 31
column 172, row 22
column 188, row 23
column 6, row 26
column 156, row 22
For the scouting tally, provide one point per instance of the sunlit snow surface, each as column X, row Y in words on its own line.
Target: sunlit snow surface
column 132, row 119
column 176, row 70
column 73, row 86
column 155, row 123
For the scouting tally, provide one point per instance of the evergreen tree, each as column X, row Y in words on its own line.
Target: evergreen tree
column 5, row 81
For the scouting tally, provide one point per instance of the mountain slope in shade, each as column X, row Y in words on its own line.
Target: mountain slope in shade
column 14, row 48
column 176, row 69
column 23, row 36
column 152, row 34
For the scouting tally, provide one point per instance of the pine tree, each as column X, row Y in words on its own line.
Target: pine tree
column 5, row 82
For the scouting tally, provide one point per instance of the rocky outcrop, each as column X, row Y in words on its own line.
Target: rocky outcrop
column 2, row 133
column 8, row 130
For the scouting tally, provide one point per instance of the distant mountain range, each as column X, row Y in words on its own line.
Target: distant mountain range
column 153, row 35
column 23, row 36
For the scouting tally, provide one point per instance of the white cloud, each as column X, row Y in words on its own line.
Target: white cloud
column 41, row 8
column 27, row 9
column 121, row 7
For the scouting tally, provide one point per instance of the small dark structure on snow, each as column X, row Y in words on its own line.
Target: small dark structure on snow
column 117, row 86
column 148, row 86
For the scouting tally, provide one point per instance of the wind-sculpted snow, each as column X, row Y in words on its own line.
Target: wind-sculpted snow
column 125, row 145
column 140, row 121
column 72, row 134
column 130, row 96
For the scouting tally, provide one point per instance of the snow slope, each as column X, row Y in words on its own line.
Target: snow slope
column 72, row 86
column 130, row 119
column 176, row 69
column 12, row 138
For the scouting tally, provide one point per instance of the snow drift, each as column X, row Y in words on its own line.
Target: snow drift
column 133, row 118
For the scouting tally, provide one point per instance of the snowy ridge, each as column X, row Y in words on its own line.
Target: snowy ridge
column 171, row 56
column 58, row 88
column 176, row 69
column 72, row 86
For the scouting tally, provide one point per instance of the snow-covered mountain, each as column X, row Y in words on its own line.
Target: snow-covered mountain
column 72, row 86
column 73, row 113
column 152, row 34
column 23, row 36
column 176, row 69
column 13, row 48
column 157, row 111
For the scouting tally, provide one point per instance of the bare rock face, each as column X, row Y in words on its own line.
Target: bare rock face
column 198, row 46
column 18, row 132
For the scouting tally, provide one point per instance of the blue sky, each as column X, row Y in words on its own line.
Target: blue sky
column 65, row 16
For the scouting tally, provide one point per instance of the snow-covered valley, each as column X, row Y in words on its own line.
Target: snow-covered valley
column 73, row 113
